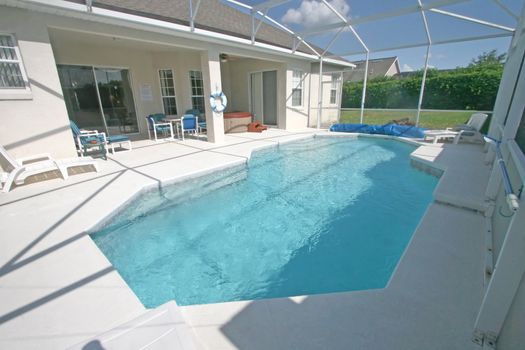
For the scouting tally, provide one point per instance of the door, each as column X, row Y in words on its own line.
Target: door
column 263, row 96
column 270, row 98
column 81, row 97
column 118, row 107
column 99, row 98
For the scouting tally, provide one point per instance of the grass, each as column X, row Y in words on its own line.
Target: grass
column 427, row 119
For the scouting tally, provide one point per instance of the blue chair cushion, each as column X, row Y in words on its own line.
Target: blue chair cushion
column 117, row 138
column 189, row 122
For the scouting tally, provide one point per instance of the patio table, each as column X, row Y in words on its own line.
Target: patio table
column 175, row 122
column 100, row 145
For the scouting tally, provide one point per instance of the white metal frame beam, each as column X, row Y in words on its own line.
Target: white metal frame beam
column 269, row 4
column 365, row 47
column 434, row 43
column 263, row 8
column 380, row 16
column 425, row 70
column 260, row 13
column 473, row 20
column 255, row 28
column 506, row 9
column 193, row 13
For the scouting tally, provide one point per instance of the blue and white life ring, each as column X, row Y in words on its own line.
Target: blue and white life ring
column 218, row 101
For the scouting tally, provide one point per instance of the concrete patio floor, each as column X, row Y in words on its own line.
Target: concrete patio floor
column 58, row 289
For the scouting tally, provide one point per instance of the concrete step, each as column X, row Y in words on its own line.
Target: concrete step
column 157, row 329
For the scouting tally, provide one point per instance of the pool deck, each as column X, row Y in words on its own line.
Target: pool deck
column 58, row 289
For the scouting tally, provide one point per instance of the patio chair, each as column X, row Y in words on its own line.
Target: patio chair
column 17, row 170
column 190, row 124
column 475, row 122
column 469, row 132
column 197, row 113
column 84, row 137
column 157, row 125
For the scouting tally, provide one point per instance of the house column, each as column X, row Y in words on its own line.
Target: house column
column 211, row 78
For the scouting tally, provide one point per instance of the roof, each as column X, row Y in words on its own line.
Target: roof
column 212, row 15
column 376, row 68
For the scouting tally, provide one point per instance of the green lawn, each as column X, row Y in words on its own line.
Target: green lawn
column 428, row 120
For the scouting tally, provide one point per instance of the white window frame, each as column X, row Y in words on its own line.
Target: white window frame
column 297, row 85
column 162, row 96
column 334, row 86
column 192, row 96
column 16, row 93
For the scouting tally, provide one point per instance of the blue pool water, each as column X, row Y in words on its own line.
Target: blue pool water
column 316, row 216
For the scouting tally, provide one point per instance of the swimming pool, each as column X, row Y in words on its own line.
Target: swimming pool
column 315, row 216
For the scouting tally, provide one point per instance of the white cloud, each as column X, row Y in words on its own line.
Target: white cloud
column 407, row 68
column 312, row 13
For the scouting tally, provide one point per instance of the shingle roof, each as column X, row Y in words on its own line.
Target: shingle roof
column 212, row 15
column 376, row 68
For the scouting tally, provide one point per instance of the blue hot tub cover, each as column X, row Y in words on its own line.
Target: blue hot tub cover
column 387, row 129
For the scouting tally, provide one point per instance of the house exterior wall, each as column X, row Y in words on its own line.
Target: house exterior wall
column 239, row 84
column 181, row 63
column 330, row 112
column 41, row 51
column 39, row 123
column 139, row 63
column 297, row 116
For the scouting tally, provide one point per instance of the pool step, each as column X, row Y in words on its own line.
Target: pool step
column 159, row 328
column 464, row 174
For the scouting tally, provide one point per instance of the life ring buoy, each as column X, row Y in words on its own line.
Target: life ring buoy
column 218, row 101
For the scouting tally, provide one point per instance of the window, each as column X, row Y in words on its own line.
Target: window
column 11, row 69
column 334, row 87
column 167, row 90
column 297, row 88
column 197, row 90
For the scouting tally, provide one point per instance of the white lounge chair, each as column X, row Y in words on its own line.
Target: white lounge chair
column 17, row 170
column 469, row 132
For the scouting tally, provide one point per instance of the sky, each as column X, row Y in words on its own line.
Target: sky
column 300, row 15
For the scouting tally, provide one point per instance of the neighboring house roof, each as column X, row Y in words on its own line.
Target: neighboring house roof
column 379, row 67
column 212, row 15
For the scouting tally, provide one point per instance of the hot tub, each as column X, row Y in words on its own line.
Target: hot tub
column 237, row 121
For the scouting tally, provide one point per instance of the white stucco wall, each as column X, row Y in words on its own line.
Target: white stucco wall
column 139, row 63
column 297, row 116
column 181, row 62
column 239, row 86
column 330, row 111
column 40, row 123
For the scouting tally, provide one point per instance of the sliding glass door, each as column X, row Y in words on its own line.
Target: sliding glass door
column 81, row 97
column 263, row 93
column 99, row 98
column 114, row 88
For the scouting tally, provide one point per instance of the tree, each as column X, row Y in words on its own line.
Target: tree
column 490, row 58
